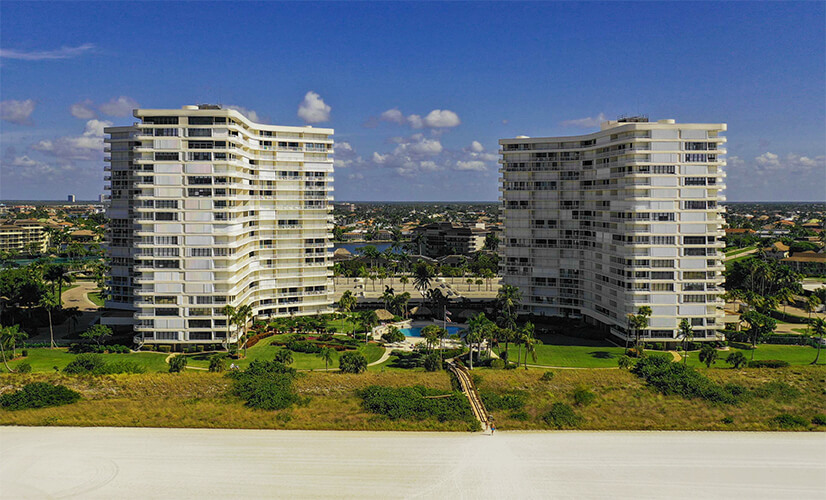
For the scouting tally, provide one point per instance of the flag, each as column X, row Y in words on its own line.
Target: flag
column 447, row 316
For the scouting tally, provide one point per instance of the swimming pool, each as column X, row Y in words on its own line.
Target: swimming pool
column 417, row 331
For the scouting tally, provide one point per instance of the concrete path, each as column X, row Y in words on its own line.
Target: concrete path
column 107, row 463
column 75, row 297
column 384, row 357
column 741, row 254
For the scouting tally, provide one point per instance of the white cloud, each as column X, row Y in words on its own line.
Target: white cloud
column 587, row 122
column 313, row 109
column 415, row 121
column 393, row 115
column 771, row 176
column 88, row 146
column 345, row 155
column 379, row 158
column 119, row 106
column 249, row 113
column 439, row 118
column 471, row 165
column 18, row 112
column 436, row 119
column 83, row 109
column 476, row 147
column 40, row 55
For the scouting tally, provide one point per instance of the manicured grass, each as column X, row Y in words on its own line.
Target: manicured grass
column 343, row 326
column 264, row 351
column 729, row 263
column 44, row 359
column 560, row 350
column 96, row 298
column 794, row 354
column 734, row 251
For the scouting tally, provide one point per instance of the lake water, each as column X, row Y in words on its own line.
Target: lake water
column 351, row 247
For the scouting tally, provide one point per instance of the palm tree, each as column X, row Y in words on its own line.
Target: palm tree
column 687, row 333
column 418, row 240
column 422, row 276
column 507, row 302
column 530, row 348
column 368, row 319
column 639, row 322
column 48, row 303
column 819, row 326
column 404, row 280
column 785, row 295
column 469, row 282
column 479, row 283
column 474, row 334
column 488, row 275
column 9, row 336
column 242, row 316
column 382, row 275
column 812, row 301
column 373, row 279
column 326, row 353
column 73, row 314
column 229, row 312
column 526, row 334
column 58, row 274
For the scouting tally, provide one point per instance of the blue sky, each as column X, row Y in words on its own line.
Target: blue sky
column 418, row 93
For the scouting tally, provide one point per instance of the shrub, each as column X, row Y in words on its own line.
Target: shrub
column 520, row 415
column 562, row 416
column 38, row 395
column 416, row 403
column 24, row 353
column 23, row 368
column 432, row 363
column 787, row 421
column 86, row 363
column 708, row 355
column 177, row 364
column 199, row 348
column 768, row 363
column 583, row 397
column 352, row 362
column 284, row 356
column 408, row 359
column 497, row 364
column 819, row 419
column 777, row 390
column 547, row 376
column 737, row 360
column 508, row 401
column 303, row 346
column 727, row 420
column 676, row 378
column 164, row 348
column 625, row 362
column 124, row 366
column 217, row 363
column 266, row 385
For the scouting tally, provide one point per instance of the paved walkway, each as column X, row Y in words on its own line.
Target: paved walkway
column 75, row 297
column 126, row 463
column 741, row 254
column 384, row 357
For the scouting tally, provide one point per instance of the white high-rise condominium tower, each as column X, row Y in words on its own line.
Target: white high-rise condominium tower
column 210, row 209
column 598, row 225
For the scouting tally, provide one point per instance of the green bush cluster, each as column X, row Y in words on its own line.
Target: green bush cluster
column 676, row 378
column 583, row 397
column 267, row 385
column 432, row 363
column 416, row 403
column 95, row 364
column 819, row 419
column 547, row 376
column 562, row 416
column 768, row 363
column 788, row 421
column 99, row 349
column 777, row 390
column 352, row 362
column 217, row 363
column 497, row 364
column 23, row 368
column 38, row 395
column 304, row 346
column 509, row 401
column 178, row 364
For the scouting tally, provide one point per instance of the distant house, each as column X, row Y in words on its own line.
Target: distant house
column 82, row 236
column 739, row 230
column 777, row 251
column 809, row 263
column 341, row 254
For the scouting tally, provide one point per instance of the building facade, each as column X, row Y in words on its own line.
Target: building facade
column 598, row 225
column 209, row 209
column 445, row 238
column 23, row 237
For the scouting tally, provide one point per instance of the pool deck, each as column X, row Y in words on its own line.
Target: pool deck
column 410, row 342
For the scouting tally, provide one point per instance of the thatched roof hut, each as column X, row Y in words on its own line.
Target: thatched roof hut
column 384, row 315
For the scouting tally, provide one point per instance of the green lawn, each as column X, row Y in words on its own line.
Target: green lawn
column 794, row 354
column 560, row 350
column 44, row 359
column 95, row 297
column 731, row 262
column 342, row 325
column 264, row 351
column 733, row 251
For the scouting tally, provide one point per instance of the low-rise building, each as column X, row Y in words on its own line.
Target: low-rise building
column 446, row 238
column 809, row 263
column 23, row 236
